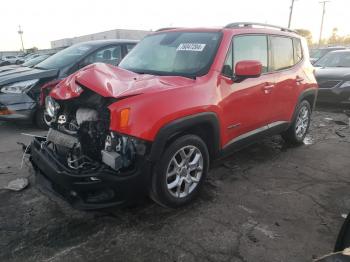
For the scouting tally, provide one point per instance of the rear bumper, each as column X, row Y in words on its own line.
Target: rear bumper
column 96, row 189
column 16, row 107
column 334, row 95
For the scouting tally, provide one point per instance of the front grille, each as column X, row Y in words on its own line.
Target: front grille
column 329, row 83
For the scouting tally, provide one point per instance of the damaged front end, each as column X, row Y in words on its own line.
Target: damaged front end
column 82, row 160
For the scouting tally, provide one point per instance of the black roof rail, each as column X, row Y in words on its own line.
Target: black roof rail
column 251, row 24
column 166, row 28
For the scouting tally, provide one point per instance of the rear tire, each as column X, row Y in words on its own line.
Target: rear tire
column 180, row 173
column 298, row 129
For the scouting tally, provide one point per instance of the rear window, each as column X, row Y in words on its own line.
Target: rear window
column 282, row 53
column 298, row 51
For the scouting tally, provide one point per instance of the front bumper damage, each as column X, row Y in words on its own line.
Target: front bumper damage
column 97, row 188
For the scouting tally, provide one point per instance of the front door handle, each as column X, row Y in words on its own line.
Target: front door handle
column 268, row 88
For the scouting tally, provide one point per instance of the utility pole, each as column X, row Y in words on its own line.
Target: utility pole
column 322, row 20
column 291, row 13
column 20, row 32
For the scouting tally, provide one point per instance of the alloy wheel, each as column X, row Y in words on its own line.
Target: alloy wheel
column 302, row 122
column 184, row 171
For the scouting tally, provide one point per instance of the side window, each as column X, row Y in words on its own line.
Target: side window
column 298, row 51
column 109, row 55
column 129, row 47
column 282, row 53
column 227, row 69
column 250, row 47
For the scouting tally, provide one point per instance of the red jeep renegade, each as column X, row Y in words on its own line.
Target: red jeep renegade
column 178, row 100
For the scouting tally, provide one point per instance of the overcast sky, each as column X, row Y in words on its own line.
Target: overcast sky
column 45, row 20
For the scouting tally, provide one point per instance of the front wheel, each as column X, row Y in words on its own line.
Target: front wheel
column 181, row 171
column 42, row 120
column 298, row 129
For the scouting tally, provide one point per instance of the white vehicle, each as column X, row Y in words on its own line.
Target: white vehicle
column 11, row 59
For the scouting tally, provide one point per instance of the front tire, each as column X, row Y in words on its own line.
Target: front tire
column 298, row 129
column 41, row 120
column 180, row 173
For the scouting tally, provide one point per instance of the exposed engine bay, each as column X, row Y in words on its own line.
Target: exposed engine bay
column 79, row 133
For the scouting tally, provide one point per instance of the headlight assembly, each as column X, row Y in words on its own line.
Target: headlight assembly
column 51, row 106
column 19, row 87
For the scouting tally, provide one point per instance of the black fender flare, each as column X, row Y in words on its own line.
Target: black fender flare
column 182, row 124
column 310, row 92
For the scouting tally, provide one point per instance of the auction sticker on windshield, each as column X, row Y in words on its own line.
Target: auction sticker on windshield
column 196, row 47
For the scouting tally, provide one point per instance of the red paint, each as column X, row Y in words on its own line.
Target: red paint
column 46, row 89
column 155, row 101
column 248, row 68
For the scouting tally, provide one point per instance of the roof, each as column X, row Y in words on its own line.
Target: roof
column 237, row 26
column 108, row 41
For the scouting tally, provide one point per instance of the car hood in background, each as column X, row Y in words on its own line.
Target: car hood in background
column 8, row 68
column 25, row 73
column 338, row 73
column 111, row 81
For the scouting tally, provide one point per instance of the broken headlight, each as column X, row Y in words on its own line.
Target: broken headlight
column 51, row 106
column 120, row 150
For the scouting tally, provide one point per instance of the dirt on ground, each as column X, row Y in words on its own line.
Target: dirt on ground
column 269, row 202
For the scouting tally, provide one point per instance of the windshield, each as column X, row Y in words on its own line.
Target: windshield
column 173, row 53
column 65, row 57
column 34, row 61
column 335, row 59
column 318, row 53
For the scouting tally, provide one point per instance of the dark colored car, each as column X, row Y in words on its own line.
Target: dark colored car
column 21, row 89
column 316, row 54
column 177, row 101
column 333, row 77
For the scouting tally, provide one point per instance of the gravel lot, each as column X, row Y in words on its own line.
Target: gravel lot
column 269, row 202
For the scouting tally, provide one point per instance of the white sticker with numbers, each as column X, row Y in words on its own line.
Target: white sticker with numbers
column 195, row 47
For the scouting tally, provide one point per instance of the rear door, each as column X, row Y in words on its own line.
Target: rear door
column 246, row 104
column 286, row 65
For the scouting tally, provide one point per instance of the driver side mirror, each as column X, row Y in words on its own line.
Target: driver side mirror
column 248, row 69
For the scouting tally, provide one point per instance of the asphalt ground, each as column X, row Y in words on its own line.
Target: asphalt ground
column 268, row 202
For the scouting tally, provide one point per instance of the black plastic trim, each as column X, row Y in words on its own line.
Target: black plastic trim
column 182, row 124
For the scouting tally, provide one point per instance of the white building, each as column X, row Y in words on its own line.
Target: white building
column 112, row 34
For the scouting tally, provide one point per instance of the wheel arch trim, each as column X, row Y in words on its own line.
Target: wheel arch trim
column 182, row 124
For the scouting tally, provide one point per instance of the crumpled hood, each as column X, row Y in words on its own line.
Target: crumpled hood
column 111, row 81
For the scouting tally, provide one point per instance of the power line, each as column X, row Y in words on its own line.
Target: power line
column 322, row 20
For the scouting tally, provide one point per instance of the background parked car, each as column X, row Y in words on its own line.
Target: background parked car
column 316, row 54
column 10, row 60
column 333, row 77
column 21, row 92
column 30, row 63
column 27, row 57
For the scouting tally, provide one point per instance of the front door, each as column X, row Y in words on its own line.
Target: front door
column 246, row 105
